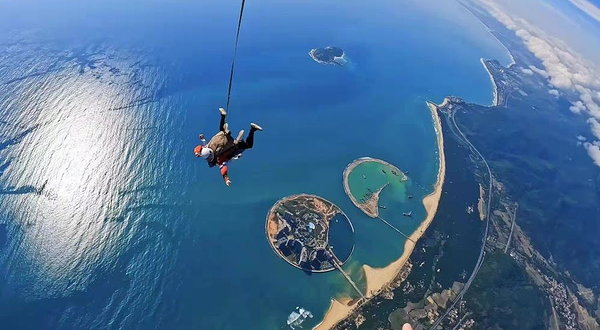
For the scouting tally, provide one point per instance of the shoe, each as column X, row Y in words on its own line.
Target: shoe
column 256, row 127
column 226, row 128
column 223, row 112
column 240, row 136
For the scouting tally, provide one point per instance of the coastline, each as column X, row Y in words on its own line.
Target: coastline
column 512, row 58
column 338, row 310
column 378, row 278
column 495, row 95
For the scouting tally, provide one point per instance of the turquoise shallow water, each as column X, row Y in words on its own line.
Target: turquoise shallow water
column 371, row 176
column 109, row 219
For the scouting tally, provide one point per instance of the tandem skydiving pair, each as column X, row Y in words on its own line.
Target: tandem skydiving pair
column 223, row 147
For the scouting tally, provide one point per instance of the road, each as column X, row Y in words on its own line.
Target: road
column 337, row 264
column 451, row 114
column 461, row 320
column 395, row 229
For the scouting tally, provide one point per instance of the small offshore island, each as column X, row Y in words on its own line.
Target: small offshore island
column 304, row 230
column 367, row 198
column 329, row 55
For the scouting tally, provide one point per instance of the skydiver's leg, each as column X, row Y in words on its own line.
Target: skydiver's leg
column 223, row 125
column 250, row 140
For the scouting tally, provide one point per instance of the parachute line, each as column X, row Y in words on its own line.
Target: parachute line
column 237, row 38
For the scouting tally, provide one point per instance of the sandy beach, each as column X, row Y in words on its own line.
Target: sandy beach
column 338, row 310
column 495, row 95
column 378, row 278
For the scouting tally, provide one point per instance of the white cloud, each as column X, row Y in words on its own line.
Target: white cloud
column 564, row 68
column 588, row 8
column 527, row 71
column 539, row 71
column 581, row 138
column 577, row 107
column 595, row 126
column 593, row 151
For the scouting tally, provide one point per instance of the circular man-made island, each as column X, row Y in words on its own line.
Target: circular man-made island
column 310, row 233
column 365, row 178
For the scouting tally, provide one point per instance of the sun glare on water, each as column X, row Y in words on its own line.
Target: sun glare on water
column 73, row 163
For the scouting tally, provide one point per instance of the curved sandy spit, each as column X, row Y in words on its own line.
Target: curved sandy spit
column 370, row 208
column 379, row 278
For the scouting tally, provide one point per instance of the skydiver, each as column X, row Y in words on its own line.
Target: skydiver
column 222, row 147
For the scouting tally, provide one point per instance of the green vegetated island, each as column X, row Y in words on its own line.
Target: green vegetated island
column 329, row 55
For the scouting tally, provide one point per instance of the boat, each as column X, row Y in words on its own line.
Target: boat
column 407, row 214
column 364, row 176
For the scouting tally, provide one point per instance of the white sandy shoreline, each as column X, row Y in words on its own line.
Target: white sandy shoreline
column 495, row 100
column 378, row 278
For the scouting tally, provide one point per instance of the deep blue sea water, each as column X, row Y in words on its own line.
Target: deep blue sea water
column 109, row 220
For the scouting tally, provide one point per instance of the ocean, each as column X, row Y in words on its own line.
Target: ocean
column 110, row 221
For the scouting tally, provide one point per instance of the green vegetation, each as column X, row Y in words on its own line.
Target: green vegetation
column 532, row 146
column 503, row 297
column 327, row 54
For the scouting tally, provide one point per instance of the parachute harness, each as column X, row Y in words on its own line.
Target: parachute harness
column 237, row 38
